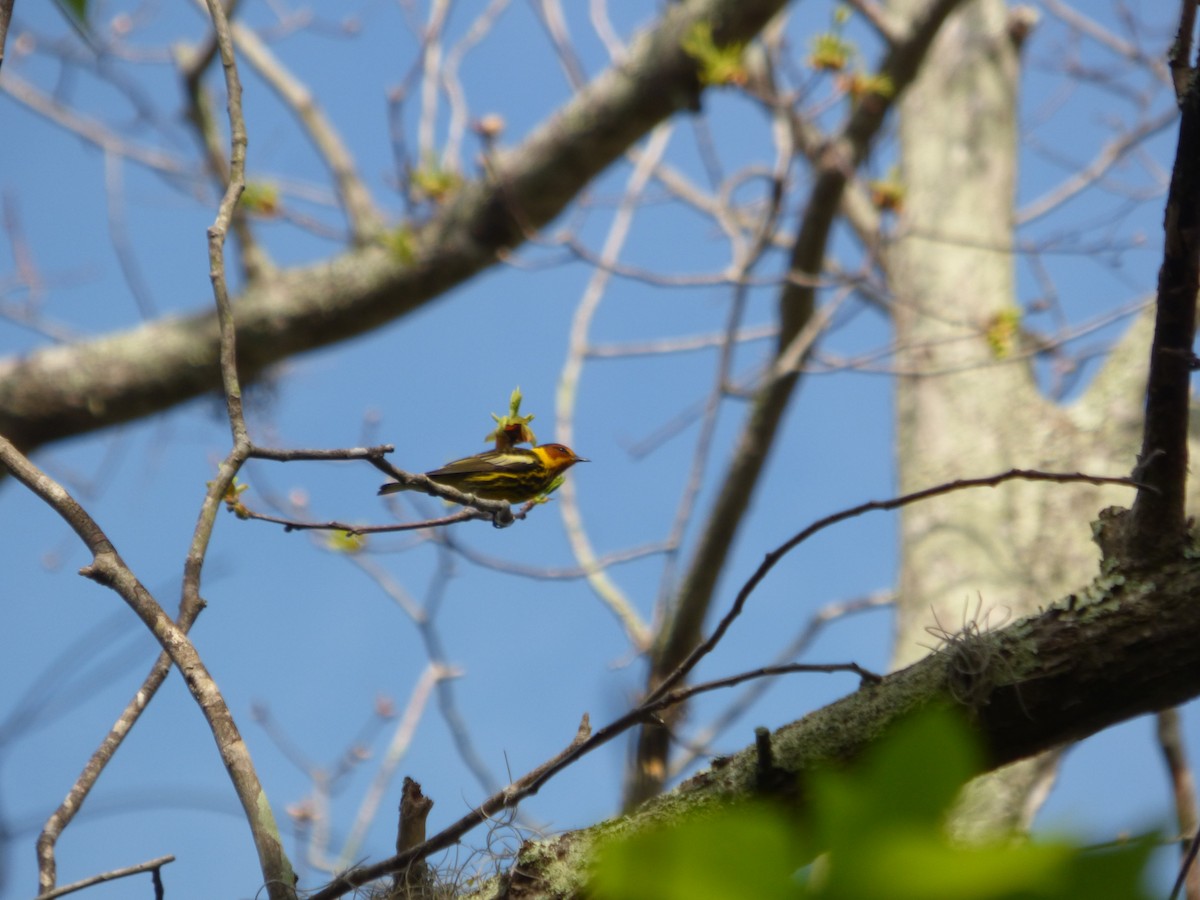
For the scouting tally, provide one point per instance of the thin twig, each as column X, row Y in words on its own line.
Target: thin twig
column 193, row 64
column 682, row 344
column 452, row 85
column 366, row 564
column 402, row 737
column 828, row 613
column 455, row 721
column 278, row 454
column 568, row 386
column 90, row 129
column 550, row 14
column 118, row 231
column 151, row 865
column 1072, row 16
column 1183, row 791
column 1189, row 862
column 1109, row 155
column 773, row 558
column 547, row 573
column 686, row 693
column 279, row 877
column 598, row 13
column 352, row 529
column 361, row 215
column 726, row 277
column 431, row 59
column 745, row 260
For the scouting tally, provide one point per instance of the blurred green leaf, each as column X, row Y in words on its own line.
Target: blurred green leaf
column 731, row 854
column 907, row 780
column 76, row 11
column 877, row 830
column 716, row 65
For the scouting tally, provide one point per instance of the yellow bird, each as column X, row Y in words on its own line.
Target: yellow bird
column 515, row 475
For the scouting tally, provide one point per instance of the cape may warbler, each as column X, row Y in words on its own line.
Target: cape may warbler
column 515, row 475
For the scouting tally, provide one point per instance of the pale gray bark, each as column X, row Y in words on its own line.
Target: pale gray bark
column 986, row 557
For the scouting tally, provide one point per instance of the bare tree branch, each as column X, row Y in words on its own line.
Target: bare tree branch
column 53, row 393
column 602, row 585
column 1183, row 790
column 1157, row 523
column 150, row 865
column 107, row 568
column 1179, row 59
column 840, row 157
column 90, row 129
column 365, row 220
column 6, row 10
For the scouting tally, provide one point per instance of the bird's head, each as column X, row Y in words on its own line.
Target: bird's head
column 558, row 456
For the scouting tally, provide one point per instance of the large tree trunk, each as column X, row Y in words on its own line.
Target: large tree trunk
column 984, row 557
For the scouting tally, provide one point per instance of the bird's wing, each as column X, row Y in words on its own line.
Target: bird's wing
column 491, row 461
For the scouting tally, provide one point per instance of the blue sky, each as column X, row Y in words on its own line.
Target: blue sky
column 301, row 632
